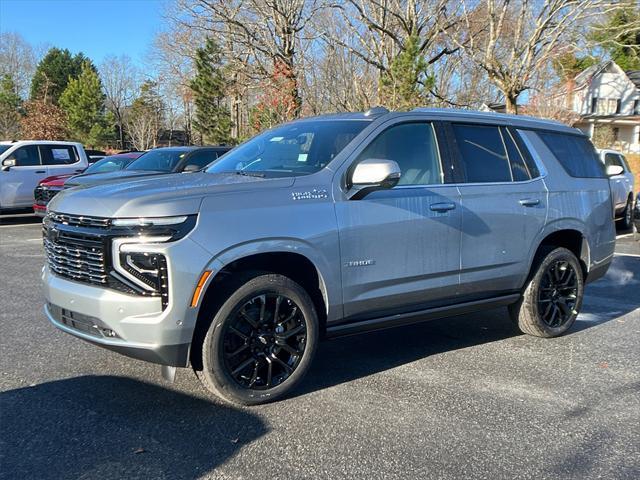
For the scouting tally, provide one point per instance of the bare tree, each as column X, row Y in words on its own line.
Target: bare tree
column 119, row 82
column 512, row 40
column 17, row 60
column 264, row 34
column 380, row 30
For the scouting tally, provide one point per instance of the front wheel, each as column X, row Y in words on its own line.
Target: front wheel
column 553, row 295
column 261, row 341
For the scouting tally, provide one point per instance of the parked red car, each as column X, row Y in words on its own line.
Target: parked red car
column 50, row 186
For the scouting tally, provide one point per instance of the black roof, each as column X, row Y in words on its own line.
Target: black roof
column 634, row 76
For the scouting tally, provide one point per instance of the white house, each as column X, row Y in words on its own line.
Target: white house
column 606, row 95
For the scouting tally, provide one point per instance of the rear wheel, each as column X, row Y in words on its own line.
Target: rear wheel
column 553, row 295
column 261, row 341
column 627, row 216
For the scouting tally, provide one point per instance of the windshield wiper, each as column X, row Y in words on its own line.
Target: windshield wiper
column 244, row 173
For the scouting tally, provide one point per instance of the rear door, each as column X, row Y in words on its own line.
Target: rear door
column 400, row 248
column 504, row 205
column 17, row 183
column 60, row 159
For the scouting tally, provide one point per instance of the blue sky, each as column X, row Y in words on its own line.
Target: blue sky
column 95, row 27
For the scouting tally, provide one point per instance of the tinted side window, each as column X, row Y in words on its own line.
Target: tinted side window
column 612, row 159
column 26, row 156
column 482, row 153
column 201, row 159
column 625, row 164
column 414, row 147
column 58, row 154
column 519, row 169
column 575, row 153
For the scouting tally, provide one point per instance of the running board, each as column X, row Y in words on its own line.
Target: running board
column 420, row 316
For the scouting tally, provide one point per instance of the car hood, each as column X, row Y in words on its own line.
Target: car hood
column 55, row 180
column 156, row 195
column 106, row 177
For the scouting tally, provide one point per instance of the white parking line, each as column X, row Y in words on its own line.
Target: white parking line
column 627, row 255
column 625, row 235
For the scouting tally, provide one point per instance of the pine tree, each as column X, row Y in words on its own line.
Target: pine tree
column 212, row 118
column 10, row 103
column 53, row 73
column 620, row 37
column 83, row 105
column 406, row 83
column 145, row 117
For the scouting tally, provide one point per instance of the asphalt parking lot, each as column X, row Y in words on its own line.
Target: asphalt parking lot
column 465, row 397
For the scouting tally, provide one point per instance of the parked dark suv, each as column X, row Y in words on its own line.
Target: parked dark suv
column 329, row 226
column 156, row 162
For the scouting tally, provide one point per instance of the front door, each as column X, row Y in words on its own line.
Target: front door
column 400, row 248
column 17, row 183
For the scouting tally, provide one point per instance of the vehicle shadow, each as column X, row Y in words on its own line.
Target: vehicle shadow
column 20, row 219
column 114, row 427
column 349, row 358
column 345, row 359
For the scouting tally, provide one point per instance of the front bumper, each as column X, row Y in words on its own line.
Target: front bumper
column 134, row 325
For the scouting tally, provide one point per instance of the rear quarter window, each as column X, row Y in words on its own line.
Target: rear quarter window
column 575, row 153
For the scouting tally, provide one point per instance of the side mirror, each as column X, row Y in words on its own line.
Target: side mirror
column 7, row 163
column 373, row 174
column 614, row 170
column 191, row 168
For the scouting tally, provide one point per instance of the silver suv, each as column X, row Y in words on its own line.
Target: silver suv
column 330, row 226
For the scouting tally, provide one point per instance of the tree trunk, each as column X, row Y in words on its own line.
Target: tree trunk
column 511, row 103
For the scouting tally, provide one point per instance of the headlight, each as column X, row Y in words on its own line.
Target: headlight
column 148, row 269
column 148, row 221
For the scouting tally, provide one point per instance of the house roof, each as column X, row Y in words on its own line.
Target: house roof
column 634, row 76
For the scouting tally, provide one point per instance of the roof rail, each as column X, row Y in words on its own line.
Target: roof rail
column 376, row 111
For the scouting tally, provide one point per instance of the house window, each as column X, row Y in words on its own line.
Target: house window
column 616, row 134
column 607, row 106
column 636, row 107
column 594, row 104
column 618, row 105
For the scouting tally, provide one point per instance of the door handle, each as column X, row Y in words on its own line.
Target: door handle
column 529, row 202
column 40, row 171
column 442, row 207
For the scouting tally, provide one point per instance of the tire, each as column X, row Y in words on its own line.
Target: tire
column 547, row 308
column 626, row 221
column 244, row 331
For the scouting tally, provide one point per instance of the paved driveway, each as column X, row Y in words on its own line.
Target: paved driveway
column 465, row 397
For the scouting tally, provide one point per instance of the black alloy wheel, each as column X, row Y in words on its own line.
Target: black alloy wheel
column 263, row 343
column 558, row 294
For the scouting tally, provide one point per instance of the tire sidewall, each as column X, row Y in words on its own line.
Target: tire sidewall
column 212, row 353
column 555, row 255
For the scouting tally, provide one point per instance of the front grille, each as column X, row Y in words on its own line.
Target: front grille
column 78, row 248
column 43, row 195
column 76, row 256
column 80, row 220
column 83, row 323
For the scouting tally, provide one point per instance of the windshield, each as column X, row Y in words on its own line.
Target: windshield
column 300, row 148
column 109, row 164
column 161, row 160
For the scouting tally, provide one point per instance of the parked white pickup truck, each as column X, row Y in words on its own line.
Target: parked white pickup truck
column 23, row 164
column 622, row 186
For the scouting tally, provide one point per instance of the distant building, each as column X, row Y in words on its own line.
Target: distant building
column 605, row 95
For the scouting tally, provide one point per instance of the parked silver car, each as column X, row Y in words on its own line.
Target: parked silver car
column 330, row 226
column 622, row 185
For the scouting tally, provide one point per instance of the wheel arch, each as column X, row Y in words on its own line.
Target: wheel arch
column 570, row 236
column 285, row 259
